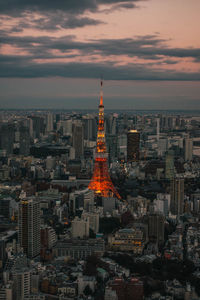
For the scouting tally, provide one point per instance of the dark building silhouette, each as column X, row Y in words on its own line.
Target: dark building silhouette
column 5, row 208
column 78, row 138
column 133, row 146
column 24, row 141
column 128, row 290
column 177, row 196
column 7, row 137
column 156, row 228
column 111, row 144
column 38, row 126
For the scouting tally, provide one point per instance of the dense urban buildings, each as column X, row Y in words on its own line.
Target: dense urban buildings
column 91, row 208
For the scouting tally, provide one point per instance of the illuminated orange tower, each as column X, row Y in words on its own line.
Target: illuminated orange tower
column 101, row 182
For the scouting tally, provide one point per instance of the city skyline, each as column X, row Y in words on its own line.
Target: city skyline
column 53, row 54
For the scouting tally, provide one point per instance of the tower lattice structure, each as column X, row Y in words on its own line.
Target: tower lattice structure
column 101, row 182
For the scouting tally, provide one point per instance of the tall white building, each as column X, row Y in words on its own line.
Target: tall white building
column 29, row 226
column 89, row 200
column 67, row 127
column 80, row 228
column 93, row 220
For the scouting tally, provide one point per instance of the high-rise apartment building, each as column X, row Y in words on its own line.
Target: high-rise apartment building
column 133, row 146
column 48, row 237
column 177, row 196
column 22, row 283
column 29, row 226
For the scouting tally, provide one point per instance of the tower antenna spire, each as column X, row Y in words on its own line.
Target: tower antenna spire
column 101, row 93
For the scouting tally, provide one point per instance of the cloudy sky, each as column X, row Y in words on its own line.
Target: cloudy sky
column 52, row 53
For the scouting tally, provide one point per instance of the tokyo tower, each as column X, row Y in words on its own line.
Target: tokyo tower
column 101, row 182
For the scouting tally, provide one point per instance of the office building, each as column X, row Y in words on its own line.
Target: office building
column 90, row 127
column 79, row 248
column 93, row 220
column 133, row 146
column 80, row 228
column 127, row 239
column 67, row 127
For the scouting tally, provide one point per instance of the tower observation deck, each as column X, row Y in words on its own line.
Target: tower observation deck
column 101, row 182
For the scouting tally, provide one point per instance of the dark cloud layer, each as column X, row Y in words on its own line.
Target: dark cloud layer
column 52, row 22
column 145, row 47
column 23, row 68
column 13, row 7
column 59, row 14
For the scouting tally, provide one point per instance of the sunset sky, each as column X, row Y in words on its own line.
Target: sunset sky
column 52, row 53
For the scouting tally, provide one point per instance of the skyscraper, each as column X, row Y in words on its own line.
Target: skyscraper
column 24, row 141
column 111, row 143
column 177, row 196
column 78, row 139
column 29, row 226
column 133, row 146
column 90, row 127
column 101, row 182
